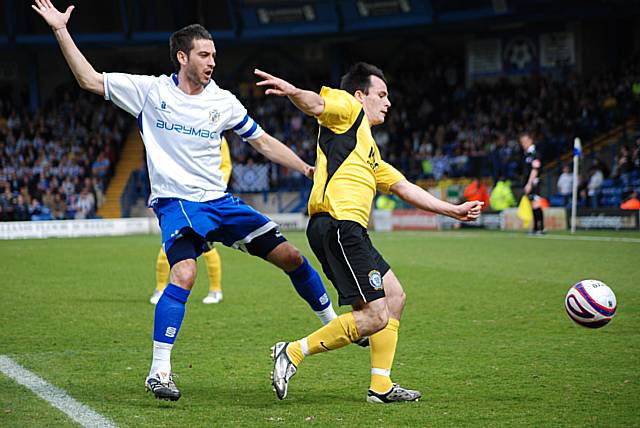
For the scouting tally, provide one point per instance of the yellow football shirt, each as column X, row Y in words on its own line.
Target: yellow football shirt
column 225, row 164
column 349, row 168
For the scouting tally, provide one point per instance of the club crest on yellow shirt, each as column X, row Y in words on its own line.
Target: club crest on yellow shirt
column 372, row 160
column 375, row 279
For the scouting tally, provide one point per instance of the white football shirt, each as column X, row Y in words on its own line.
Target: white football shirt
column 182, row 133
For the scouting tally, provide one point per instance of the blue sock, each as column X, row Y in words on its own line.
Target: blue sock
column 309, row 286
column 169, row 314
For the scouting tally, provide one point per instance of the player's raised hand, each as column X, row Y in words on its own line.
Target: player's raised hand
column 51, row 15
column 469, row 210
column 275, row 85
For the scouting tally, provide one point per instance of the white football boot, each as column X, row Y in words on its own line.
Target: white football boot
column 283, row 369
column 213, row 297
column 155, row 297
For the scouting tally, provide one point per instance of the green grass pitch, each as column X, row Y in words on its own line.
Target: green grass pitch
column 485, row 336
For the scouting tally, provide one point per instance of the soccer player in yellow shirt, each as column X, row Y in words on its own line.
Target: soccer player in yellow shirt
column 348, row 172
column 211, row 257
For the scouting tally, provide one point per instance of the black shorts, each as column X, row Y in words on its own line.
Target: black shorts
column 348, row 258
column 535, row 192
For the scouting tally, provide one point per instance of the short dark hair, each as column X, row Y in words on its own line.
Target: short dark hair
column 525, row 133
column 182, row 40
column 358, row 78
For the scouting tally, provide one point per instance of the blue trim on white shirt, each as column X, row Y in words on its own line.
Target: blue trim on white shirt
column 242, row 123
column 250, row 131
column 140, row 122
column 174, row 77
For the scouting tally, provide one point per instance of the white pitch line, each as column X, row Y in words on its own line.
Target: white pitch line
column 590, row 238
column 59, row 399
column 522, row 235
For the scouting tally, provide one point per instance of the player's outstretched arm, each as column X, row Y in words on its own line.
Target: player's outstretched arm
column 274, row 150
column 424, row 200
column 86, row 76
column 308, row 102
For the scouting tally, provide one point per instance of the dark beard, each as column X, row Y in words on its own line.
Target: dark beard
column 193, row 78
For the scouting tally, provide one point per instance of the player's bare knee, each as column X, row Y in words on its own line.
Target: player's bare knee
column 379, row 320
column 183, row 274
column 294, row 257
column 286, row 257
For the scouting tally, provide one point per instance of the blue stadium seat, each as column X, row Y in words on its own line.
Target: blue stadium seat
column 607, row 183
column 611, row 191
column 610, row 201
column 557, row 201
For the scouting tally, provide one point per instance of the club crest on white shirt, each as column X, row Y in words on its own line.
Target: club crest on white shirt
column 163, row 107
column 214, row 116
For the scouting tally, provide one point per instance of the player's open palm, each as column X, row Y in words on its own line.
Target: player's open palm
column 275, row 85
column 469, row 211
column 51, row 15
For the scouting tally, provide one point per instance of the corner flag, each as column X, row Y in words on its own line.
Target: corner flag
column 525, row 213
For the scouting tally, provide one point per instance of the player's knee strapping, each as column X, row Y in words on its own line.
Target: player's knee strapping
column 182, row 249
column 169, row 314
column 309, row 286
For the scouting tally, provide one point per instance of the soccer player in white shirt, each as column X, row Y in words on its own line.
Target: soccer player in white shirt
column 181, row 118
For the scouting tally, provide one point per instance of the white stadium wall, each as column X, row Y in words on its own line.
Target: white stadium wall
column 111, row 227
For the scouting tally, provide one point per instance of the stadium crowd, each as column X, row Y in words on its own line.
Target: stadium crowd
column 56, row 163
column 438, row 128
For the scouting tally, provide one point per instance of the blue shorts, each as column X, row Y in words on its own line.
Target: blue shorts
column 227, row 220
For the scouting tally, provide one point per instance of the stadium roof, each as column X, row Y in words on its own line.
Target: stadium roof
column 151, row 21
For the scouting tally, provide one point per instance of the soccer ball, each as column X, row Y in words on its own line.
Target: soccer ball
column 591, row 303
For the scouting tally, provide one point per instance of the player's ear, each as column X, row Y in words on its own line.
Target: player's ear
column 183, row 58
column 359, row 95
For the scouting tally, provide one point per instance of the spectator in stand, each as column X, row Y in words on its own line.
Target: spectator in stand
column 502, row 195
column 622, row 164
column 596, row 177
column 98, row 191
column 59, row 207
column 85, row 204
column 632, row 203
column 441, row 165
column 635, row 157
column 477, row 191
column 7, row 206
column 100, row 167
column 21, row 209
column 565, row 184
column 35, row 209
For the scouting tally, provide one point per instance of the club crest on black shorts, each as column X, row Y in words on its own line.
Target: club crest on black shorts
column 375, row 279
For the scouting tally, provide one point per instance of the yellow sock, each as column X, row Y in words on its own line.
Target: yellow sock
column 383, row 349
column 338, row 333
column 162, row 270
column 214, row 268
